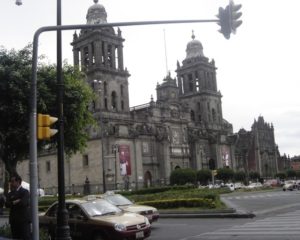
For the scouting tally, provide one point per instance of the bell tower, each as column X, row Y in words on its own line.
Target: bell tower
column 99, row 54
column 198, row 86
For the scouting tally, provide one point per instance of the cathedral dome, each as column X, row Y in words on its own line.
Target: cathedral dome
column 96, row 14
column 194, row 48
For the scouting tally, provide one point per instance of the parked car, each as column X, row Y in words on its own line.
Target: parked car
column 97, row 219
column 239, row 185
column 290, row 185
column 125, row 204
column 230, row 186
column 254, row 185
column 40, row 191
column 272, row 183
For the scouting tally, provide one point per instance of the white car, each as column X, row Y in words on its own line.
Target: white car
column 290, row 185
column 230, row 186
column 125, row 204
column 40, row 191
column 239, row 185
column 254, row 185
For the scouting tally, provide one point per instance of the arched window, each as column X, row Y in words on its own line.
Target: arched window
column 213, row 113
column 114, row 100
column 148, row 179
column 192, row 115
column 105, row 103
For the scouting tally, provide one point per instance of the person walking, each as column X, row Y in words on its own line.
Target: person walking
column 19, row 215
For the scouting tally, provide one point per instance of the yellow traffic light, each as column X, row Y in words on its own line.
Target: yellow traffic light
column 44, row 122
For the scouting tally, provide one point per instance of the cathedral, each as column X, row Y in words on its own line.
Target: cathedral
column 140, row 146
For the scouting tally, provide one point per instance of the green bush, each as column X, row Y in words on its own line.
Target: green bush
column 179, row 203
column 183, row 176
column 5, row 230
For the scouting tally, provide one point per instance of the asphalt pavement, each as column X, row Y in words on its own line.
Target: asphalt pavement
column 207, row 213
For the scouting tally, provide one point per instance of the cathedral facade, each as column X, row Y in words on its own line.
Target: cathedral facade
column 140, row 146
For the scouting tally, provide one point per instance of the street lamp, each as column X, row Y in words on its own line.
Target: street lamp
column 115, row 149
column 98, row 82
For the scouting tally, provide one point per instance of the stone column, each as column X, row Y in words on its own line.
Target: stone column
column 113, row 56
column 75, row 56
column 120, row 58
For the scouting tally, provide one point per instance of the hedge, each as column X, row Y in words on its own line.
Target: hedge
column 178, row 203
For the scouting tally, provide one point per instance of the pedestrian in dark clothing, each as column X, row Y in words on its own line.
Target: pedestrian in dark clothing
column 18, row 202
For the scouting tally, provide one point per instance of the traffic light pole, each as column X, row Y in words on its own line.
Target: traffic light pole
column 62, row 221
column 62, row 229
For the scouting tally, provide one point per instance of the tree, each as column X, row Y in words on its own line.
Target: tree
column 254, row 176
column 15, row 79
column 281, row 175
column 203, row 176
column 291, row 173
column 225, row 174
column 239, row 176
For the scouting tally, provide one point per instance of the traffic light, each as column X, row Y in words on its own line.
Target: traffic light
column 234, row 16
column 228, row 19
column 44, row 132
column 224, row 22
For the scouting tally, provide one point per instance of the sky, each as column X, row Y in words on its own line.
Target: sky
column 257, row 68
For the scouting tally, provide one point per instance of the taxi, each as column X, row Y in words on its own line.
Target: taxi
column 97, row 219
column 125, row 204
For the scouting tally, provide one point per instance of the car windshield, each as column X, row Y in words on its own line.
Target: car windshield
column 100, row 207
column 118, row 200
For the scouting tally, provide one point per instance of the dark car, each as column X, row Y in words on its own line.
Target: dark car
column 97, row 220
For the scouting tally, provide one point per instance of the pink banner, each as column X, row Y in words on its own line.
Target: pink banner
column 125, row 165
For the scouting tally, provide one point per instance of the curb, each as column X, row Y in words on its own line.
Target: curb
column 226, row 213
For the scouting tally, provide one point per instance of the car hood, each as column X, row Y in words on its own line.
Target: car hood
column 137, row 208
column 125, row 218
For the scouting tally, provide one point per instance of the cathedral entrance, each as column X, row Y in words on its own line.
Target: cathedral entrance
column 148, row 179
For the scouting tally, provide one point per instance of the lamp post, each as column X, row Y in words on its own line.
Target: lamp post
column 62, row 229
column 115, row 149
column 98, row 82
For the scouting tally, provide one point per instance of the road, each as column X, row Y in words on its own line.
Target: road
column 263, row 203
column 278, row 218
